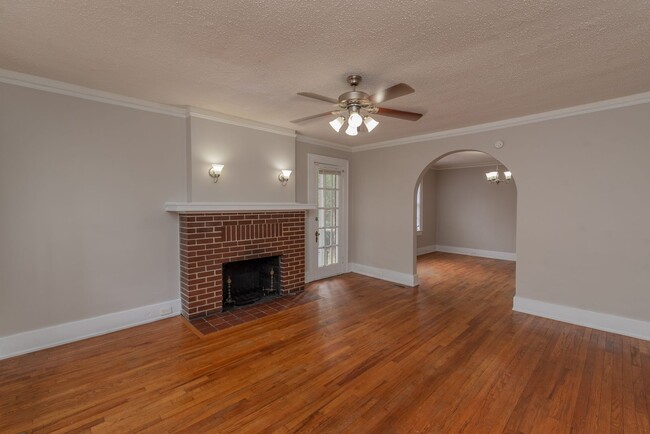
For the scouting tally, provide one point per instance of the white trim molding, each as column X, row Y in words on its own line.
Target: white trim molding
column 508, row 256
column 385, row 274
column 53, row 86
column 240, row 122
column 235, row 206
column 587, row 318
column 426, row 249
column 34, row 340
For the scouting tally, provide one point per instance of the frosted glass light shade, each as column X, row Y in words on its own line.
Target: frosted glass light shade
column 215, row 171
column 370, row 123
column 351, row 131
column 355, row 118
column 337, row 123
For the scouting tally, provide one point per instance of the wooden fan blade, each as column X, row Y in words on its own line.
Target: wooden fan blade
column 319, row 97
column 312, row 117
column 392, row 92
column 399, row 114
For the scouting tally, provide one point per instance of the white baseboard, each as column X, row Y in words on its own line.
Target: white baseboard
column 385, row 274
column 476, row 252
column 34, row 340
column 426, row 249
column 595, row 320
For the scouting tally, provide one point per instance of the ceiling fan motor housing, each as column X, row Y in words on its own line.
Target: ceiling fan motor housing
column 355, row 97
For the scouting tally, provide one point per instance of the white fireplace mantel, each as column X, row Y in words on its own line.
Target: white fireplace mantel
column 182, row 207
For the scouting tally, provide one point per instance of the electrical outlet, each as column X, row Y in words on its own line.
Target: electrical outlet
column 165, row 310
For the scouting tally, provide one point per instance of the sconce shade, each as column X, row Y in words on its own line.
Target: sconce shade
column 215, row 171
column 284, row 176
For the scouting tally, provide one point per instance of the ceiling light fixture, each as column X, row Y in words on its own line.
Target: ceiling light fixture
column 495, row 178
column 355, row 107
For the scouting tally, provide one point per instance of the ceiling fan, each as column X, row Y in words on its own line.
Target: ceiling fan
column 358, row 106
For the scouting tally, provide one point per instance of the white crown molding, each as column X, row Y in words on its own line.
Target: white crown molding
column 318, row 142
column 34, row 340
column 385, row 274
column 240, row 122
column 626, row 101
column 53, row 86
column 182, row 207
column 586, row 318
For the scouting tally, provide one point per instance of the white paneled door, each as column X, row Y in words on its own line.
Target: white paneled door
column 327, row 224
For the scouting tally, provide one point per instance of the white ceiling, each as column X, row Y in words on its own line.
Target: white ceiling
column 469, row 62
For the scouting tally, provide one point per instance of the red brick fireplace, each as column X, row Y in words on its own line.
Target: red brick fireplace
column 210, row 239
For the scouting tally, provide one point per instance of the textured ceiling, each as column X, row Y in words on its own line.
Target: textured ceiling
column 470, row 62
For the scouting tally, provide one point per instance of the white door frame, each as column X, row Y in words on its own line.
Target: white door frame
column 311, row 262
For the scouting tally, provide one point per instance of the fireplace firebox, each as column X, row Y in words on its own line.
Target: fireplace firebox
column 245, row 282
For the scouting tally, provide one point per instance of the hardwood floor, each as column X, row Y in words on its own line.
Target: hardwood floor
column 369, row 356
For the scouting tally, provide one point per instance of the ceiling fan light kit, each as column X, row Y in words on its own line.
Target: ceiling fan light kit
column 358, row 106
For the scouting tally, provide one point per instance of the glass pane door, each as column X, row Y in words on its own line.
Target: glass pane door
column 328, row 222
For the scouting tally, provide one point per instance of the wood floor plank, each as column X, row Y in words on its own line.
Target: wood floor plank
column 367, row 356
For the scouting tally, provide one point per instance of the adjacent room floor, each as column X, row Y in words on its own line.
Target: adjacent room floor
column 364, row 356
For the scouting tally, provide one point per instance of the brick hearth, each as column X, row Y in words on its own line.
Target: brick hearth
column 210, row 239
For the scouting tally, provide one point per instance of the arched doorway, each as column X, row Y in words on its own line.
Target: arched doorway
column 458, row 210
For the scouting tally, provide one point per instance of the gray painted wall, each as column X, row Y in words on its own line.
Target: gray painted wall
column 472, row 213
column 83, row 231
column 582, row 209
column 252, row 161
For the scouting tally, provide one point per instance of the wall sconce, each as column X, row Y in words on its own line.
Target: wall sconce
column 215, row 171
column 284, row 176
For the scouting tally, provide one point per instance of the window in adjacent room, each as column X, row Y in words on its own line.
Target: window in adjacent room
column 418, row 209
